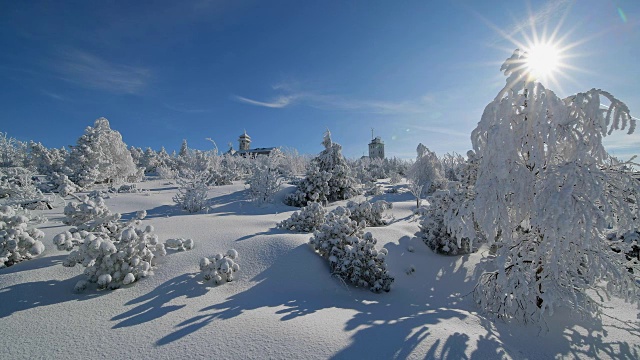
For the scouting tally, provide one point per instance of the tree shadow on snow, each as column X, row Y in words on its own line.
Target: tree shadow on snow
column 25, row 296
column 34, row 264
column 273, row 289
column 152, row 305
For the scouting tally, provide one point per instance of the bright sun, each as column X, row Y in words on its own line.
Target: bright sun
column 543, row 60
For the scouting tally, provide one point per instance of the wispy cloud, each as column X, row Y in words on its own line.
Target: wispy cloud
column 277, row 103
column 53, row 95
column 339, row 103
column 90, row 71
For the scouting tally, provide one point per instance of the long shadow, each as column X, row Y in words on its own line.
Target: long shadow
column 35, row 294
column 272, row 231
column 34, row 264
column 159, row 212
column 152, row 305
column 272, row 291
column 405, row 323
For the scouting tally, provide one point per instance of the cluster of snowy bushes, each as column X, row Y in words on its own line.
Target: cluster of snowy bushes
column 19, row 241
column 329, row 178
column 220, row 268
column 370, row 213
column 307, row 219
column 351, row 252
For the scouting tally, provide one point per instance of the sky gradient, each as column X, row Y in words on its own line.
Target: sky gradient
column 415, row 71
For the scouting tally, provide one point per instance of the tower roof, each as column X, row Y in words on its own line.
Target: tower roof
column 245, row 136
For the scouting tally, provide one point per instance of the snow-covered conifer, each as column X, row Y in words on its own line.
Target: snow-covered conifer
column 427, row 171
column 329, row 177
column 18, row 240
column 100, row 155
column 351, row 253
column 220, row 268
column 308, row 219
column 90, row 213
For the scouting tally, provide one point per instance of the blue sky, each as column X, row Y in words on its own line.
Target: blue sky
column 415, row 71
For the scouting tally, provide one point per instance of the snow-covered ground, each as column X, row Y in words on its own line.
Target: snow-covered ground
column 284, row 303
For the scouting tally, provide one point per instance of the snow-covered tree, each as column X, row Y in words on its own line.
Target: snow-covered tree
column 46, row 161
column 13, row 152
column 220, row 268
column 329, row 178
column 100, row 155
column 545, row 193
column 265, row 180
column 192, row 193
column 19, row 240
column 90, row 213
column 17, row 188
column 451, row 164
column 308, row 219
column 149, row 160
column 351, row 252
column 62, row 184
column 427, row 171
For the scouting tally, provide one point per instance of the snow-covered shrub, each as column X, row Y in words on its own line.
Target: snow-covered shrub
column 373, row 190
column 192, row 191
column 100, row 155
column 351, row 253
column 265, row 180
column 90, row 213
column 17, row 188
column 18, row 240
column 180, row 244
column 546, row 194
column 394, row 178
column 370, row 213
column 46, row 161
column 13, row 152
column 112, row 259
column 166, row 173
column 434, row 230
column 63, row 185
column 126, row 189
column 307, row 219
column 329, row 178
column 220, row 268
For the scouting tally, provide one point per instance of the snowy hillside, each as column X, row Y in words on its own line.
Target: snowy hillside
column 283, row 303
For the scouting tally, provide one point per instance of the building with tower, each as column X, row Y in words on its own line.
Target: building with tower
column 245, row 150
column 376, row 148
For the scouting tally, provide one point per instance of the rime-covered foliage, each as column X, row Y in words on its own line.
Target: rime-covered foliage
column 220, row 268
column 265, row 180
column 545, row 193
column 370, row 213
column 434, row 227
column 62, row 185
column 180, row 244
column 13, row 152
column 192, row 191
column 629, row 245
column 165, row 172
column 114, row 253
column 18, row 240
column 46, row 161
column 100, row 155
column 451, row 166
column 89, row 213
column 351, row 253
column 306, row 220
column 329, row 178
column 427, row 171
column 17, row 188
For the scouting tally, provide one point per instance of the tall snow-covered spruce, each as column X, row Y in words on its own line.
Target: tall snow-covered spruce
column 329, row 177
column 545, row 193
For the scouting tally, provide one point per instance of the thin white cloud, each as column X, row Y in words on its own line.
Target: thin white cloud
column 278, row 103
column 53, row 95
column 90, row 71
column 340, row 103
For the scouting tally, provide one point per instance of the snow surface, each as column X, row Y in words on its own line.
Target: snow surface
column 283, row 302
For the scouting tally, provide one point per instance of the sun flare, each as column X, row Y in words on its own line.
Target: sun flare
column 543, row 60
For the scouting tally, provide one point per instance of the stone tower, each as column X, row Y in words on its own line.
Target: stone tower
column 376, row 148
column 244, row 141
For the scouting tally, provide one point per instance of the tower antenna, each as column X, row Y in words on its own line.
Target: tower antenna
column 371, row 133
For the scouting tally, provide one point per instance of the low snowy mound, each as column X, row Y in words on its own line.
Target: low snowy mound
column 18, row 241
column 371, row 213
column 220, row 268
column 351, row 253
column 308, row 219
column 180, row 244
